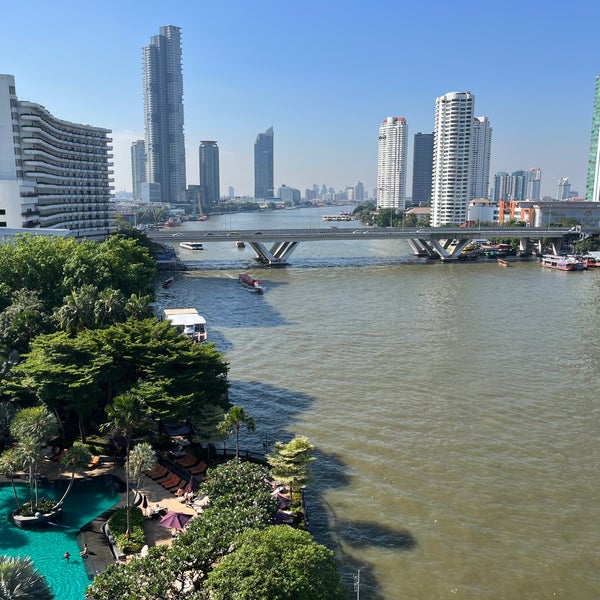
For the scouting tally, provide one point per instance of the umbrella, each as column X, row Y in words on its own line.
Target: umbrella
column 174, row 519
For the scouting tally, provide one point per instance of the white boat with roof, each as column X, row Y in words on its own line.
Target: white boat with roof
column 188, row 322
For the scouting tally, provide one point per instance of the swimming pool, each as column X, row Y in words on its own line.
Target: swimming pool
column 47, row 546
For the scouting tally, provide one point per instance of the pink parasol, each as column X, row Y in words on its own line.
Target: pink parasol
column 175, row 520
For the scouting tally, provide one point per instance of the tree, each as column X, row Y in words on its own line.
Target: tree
column 20, row 580
column 276, row 563
column 233, row 421
column 141, row 458
column 290, row 462
column 126, row 415
column 32, row 427
column 11, row 463
column 75, row 458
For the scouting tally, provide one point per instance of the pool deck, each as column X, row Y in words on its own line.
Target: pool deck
column 100, row 552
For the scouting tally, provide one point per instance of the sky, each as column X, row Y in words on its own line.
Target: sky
column 323, row 74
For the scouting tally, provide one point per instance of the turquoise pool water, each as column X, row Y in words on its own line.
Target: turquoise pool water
column 47, row 546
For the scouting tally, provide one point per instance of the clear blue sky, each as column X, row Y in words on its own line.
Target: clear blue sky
column 323, row 74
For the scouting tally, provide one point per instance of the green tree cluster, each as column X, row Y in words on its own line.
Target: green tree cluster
column 204, row 560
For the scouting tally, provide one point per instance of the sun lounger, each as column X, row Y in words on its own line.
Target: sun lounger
column 94, row 462
column 199, row 468
column 159, row 472
column 175, row 485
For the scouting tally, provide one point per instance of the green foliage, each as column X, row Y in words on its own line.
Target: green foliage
column 232, row 423
column 277, row 563
column 19, row 579
column 117, row 525
column 290, row 462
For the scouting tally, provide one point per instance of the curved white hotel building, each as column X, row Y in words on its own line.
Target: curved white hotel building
column 452, row 175
column 391, row 163
column 54, row 174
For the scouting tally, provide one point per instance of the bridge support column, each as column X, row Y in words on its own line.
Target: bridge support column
column 277, row 255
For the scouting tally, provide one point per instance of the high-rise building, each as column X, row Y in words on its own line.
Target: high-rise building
column 422, row 168
column 263, row 165
column 163, row 114
column 481, row 146
column 391, row 163
column 54, row 174
column 209, row 173
column 451, row 177
column 359, row 191
column 592, row 187
column 517, row 191
column 534, row 183
column 501, row 186
column 138, row 167
column 564, row 189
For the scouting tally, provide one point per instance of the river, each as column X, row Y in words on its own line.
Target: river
column 453, row 407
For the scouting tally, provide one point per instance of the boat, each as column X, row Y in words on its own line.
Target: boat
column 562, row 263
column 249, row 282
column 239, row 244
column 191, row 245
column 503, row 263
column 188, row 322
column 167, row 282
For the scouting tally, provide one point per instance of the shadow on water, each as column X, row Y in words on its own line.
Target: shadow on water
column 271, row 407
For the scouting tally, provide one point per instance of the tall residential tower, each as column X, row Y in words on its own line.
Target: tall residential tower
column 209, row 173
column 451, row 178
column 592, row 187
column 263, row 165
column 138, row 168
column 481, row 146
column 163, row 114
column 422, row 165
column 391, row 163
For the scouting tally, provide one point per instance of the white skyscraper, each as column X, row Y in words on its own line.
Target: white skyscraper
column 451, row 179
column 534, row 182
column 481, row 146
column 391, row 163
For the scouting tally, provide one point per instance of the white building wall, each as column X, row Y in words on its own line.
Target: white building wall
column 391, row 163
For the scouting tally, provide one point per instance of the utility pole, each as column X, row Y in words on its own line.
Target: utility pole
column 357, row 584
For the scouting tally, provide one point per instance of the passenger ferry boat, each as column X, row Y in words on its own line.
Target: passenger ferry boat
column 562, row 263
column 239, row 244
column 249, row 282
column 191, row 245
column 188, row 322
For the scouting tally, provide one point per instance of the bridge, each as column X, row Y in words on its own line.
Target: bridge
column 445, row 243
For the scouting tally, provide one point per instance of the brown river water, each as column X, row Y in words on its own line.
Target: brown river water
column 454, row 407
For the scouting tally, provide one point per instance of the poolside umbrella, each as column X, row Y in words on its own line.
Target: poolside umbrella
column 175, row 520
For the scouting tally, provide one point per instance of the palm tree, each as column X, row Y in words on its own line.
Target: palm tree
column 20, row 580
column 126, row 415
column 141, row 458
column 233, row 421
column 10, row 464
column 75, row 458
column 289, row 463
column 32, row 427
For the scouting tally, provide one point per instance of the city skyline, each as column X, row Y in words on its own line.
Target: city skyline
column 322, row 81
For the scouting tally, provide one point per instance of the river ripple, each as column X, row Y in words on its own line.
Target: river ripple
column 454, row 407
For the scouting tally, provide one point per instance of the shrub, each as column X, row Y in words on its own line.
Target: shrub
column 117, row 524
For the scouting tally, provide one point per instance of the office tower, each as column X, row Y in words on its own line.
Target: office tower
column 481, row 146
column 517, row 190
column 163, row 114
column 138, row 167
column 359, row 191
column 231, row 192
column 422, row 167
column 564, row 189
column 592, row 187
column 54, row 174
column 534, row 182
column 263, row 165
column 501, row 186
column 451, row 158
column 209, row 173
column 391, row 163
